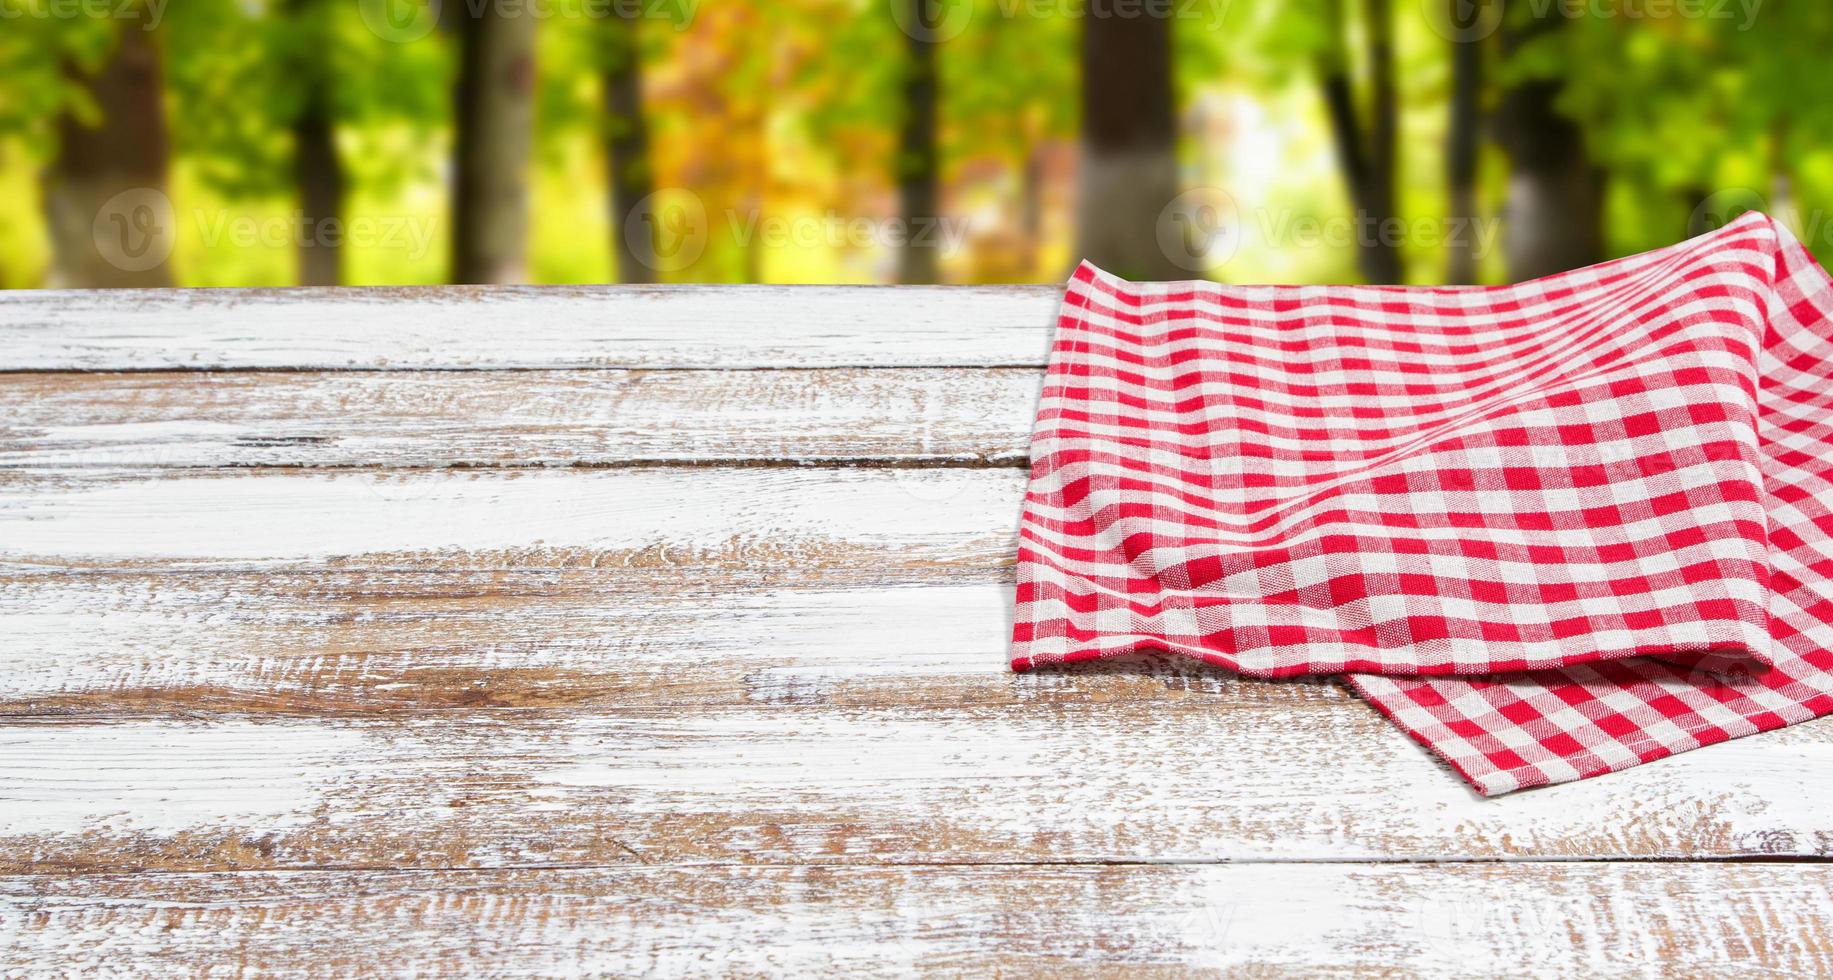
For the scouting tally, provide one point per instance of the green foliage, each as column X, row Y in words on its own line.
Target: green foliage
column 986, row 106
column 769, row 106
column 1677, row 107
column 37, row 52
column 240, row 72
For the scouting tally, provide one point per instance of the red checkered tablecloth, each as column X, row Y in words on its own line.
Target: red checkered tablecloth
column 1552, row 530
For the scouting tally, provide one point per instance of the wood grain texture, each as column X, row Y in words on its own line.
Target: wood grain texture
column 383, row 642
column 614, row 660
column 518, row 418
column 704, row 520
column 766, row 581
column 1181, row 780
column 1654, row 920
column 527, row 327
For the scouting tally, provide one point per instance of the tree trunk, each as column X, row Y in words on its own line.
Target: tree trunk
column 917, row 164
column 1782, row 179
column 1128, row 172
column 318, row 173
column 495, row 118
column 1695, row 199
column 627, row 149
column 109, row 220
column 1461, row 147
column 320, row 177
column 1553, row 220
column 1382, row 249
column 1368, row 161
column 1031, row 205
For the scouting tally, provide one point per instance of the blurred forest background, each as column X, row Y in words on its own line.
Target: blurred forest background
column 283, row 142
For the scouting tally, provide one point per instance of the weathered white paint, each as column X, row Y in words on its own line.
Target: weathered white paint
column 386, row 641
column 166, row 776
column 1177, row 781
column 763, row 668
column 523, row 327
column 274, row 517
column 516, row 418
column 1576, row 920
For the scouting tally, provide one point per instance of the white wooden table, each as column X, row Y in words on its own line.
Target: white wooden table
column 663, row 630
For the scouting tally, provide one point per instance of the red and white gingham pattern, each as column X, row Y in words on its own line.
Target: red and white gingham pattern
column 1552, row 530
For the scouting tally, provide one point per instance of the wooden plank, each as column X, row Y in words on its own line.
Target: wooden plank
column 380, row 642
column 699, row 521
column 404, row 328
column 1254, row 920
column 1024, row 783
column 518, row 418
column 853, row 536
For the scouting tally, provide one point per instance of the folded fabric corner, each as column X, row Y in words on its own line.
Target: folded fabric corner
column 1551, row 530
